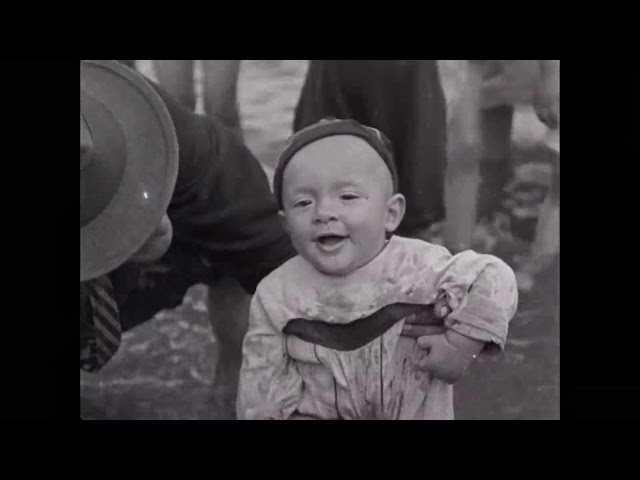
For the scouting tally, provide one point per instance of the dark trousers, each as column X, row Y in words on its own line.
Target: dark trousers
column 403, row 99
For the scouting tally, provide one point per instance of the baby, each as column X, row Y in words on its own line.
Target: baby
column 325, row 331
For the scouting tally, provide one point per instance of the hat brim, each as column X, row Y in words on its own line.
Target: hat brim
column 150, row 170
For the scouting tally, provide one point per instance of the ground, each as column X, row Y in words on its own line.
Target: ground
column 164, row 368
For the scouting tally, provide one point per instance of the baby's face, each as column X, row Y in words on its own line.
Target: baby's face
column 338, row 203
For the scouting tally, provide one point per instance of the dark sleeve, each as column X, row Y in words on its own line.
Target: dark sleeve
column 222, row 204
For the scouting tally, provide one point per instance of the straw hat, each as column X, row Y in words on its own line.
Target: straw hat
column 128, row 164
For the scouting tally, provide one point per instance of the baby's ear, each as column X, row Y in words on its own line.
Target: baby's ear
column 283, row 220
column 395, row 212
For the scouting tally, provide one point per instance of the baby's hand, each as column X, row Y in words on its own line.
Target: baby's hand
column 419, row 325
column 449, row 355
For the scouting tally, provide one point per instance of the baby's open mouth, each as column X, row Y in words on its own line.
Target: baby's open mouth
column 330, row 239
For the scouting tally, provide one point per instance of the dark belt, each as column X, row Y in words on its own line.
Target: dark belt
column 357, row 334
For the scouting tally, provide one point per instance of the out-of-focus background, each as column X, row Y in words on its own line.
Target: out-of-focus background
column 164, row 368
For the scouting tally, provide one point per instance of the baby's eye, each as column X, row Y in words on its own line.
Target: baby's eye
column 302, row 203
column 349, row 196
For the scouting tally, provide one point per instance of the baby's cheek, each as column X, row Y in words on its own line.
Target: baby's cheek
column 297, row 230
column 370, row 234
column 298, row 244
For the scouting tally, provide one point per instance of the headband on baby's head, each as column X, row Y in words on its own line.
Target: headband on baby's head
column 329, row 127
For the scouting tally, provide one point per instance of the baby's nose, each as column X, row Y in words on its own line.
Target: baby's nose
column 324, row 214
column 321, row 218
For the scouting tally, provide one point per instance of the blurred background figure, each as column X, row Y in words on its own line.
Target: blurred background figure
column 225, row 295
column 462, row 84
column 404, row 100
column 547, row 238
column 220, row 85
column 507, row 84
column 481, row 98
column 547, row 103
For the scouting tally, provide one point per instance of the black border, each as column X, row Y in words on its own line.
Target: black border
column 599, row 340
column 39, row 336
column 599, row 353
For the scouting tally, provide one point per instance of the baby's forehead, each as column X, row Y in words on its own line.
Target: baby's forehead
column 337, row 154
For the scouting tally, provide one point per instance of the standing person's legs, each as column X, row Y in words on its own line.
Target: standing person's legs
column 547, row 239
column 547, row 104
column 176, row 76
column 404, row 100
column 220, row 91
column 229, row 317
column 495, row 165
column 228, row 302
column 416, row 123
column 462, row 81
column 322, row 95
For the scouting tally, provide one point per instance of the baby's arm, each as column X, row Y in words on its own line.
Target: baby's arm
column 484, row 310
column 480, row 291
column 270, row 385
column 481, row 294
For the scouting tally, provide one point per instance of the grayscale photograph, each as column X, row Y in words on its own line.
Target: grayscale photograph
column 319, row 239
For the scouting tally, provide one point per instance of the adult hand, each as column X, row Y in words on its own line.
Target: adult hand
column 419, row 325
